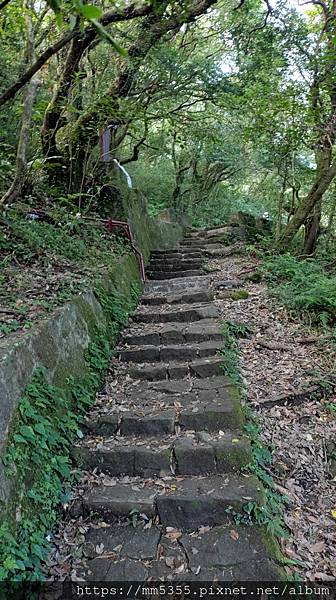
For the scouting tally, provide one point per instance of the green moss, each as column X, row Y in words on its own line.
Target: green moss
column 239, row 295
column 37, row 461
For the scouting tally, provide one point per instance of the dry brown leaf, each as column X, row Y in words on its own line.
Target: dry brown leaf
column 318, row 547
column 234, row 535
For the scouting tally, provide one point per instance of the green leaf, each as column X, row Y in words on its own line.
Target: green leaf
column 18, row 438
column 102, row 31
column 38, row 551
column 55, row 5
column 9, row 563
column 27, row 432
column 89, row 11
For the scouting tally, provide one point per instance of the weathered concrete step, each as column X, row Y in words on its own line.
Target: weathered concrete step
column 180, row 284
column 189, row 453
column 214, row 416
column 160, row 408
column 203, row 330
column 203, row 367
column 186, row 503
column 214, row 252
column 196, row 244
column 177, row 251
column 166, row 274
column 174, row 255
column 189, row 241
column 184, row 313
column 177, row 298
column 174, row 265
column 120, row 553
column 171, row 352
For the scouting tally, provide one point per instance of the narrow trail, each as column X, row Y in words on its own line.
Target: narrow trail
column 165, row 447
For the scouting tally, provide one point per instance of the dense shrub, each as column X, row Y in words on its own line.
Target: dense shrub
column 303, row 286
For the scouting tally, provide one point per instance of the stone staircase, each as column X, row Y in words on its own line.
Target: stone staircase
column 170, row 442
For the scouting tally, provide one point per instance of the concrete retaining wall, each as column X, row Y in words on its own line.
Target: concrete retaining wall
column 59, row 342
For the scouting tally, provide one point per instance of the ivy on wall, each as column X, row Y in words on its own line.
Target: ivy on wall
column 37, row 460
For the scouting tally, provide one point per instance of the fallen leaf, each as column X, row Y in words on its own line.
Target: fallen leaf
column 204, row 529
column 170, row 561
column 234, row 535
column 100, row 548
column 318, row 547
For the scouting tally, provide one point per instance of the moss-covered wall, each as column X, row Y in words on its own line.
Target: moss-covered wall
column 149, row 233
column 59, row 343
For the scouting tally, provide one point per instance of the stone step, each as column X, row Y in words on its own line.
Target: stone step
column 163, row 407
column 185, row 503
column 158, row 334
column 177, row 251
column 177, row 259
column 184, row 313
column 180, row 284
column 195, row 243
column 124, row 553
column 187, row 254
column 203, row 367
column 166, row 274
column 177, row 298
column 179, row 265
column 174, row 352
column 217, row 252
column 199, row 245
column 188, row 453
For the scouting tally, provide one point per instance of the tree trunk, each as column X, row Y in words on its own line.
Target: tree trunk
column 85, row 132
column 21, row 153
column 331, row 220
column 312, row 230
column 325, row 174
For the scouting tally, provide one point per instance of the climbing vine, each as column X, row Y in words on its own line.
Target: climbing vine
column 49, row 419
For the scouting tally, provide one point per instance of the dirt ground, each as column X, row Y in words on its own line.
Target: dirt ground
column 279, row 358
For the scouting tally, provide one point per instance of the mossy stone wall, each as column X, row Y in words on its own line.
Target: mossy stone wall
column 59, row 343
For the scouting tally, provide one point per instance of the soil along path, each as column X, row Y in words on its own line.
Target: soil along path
column 284, row 367
column 164, row 454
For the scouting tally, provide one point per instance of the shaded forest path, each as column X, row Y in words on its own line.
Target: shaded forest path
column 165, row 444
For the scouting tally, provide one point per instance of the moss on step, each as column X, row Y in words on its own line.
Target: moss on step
column 239, row 295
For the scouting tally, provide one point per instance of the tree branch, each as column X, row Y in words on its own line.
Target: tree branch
column 135, row 155
column 128, row 13
column 4, row 3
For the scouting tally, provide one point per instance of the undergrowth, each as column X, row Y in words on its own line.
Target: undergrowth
column 38, row 461
column 270, row 514
column 229, row 350
column 43, row 263
column 306, row 287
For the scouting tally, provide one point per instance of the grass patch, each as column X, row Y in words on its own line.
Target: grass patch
column 43, row 263
column 229, row 350
column 304, row 287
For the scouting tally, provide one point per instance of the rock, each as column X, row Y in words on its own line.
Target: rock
column 228, row 284
column 103, row 425
column 160, row 424
column 206, row 501
column 151, row 462
column 206, row 367
column 193, row 458
column 104, row 569
column 119, row 500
